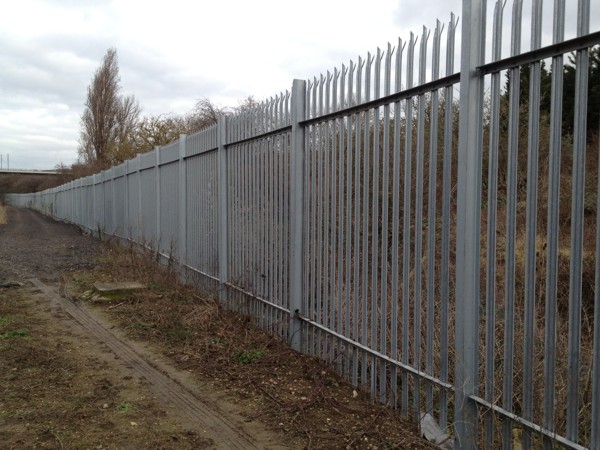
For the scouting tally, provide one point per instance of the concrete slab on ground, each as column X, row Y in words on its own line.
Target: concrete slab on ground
column 120, row 286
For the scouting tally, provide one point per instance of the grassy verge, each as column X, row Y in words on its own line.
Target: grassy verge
column 285, row 390
column 2, row 214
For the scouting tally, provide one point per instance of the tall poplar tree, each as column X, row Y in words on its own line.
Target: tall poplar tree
column 109, row 118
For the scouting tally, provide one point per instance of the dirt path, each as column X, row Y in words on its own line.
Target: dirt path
column 32, row 246
column 116, row 394
column 162, row 367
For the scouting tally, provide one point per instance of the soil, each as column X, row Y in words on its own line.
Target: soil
column 159, row 368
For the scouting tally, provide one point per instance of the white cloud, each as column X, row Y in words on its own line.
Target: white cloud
column 173, row 53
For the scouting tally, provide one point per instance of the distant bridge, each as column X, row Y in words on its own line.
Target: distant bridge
column 28, row 172
column 27, row 180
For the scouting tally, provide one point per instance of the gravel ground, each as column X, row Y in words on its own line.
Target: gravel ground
column 68, row 379
column 32, row 245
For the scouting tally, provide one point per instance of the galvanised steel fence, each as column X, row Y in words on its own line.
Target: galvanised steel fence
column 431, row 233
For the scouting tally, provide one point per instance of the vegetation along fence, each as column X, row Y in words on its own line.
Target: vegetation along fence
column 431, row 234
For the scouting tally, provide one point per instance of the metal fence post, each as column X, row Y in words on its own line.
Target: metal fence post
column 157, row 176
column 104, row 224
column 82, row 192
column 223, row 232
column 71, row 201
column 94, row 225
column 298, row 110
column 139, row 226
column 182, row 247
column 470, row 143
column 98, row 223
column 126, row 219
column 75, row 205
column 76, row 201
column 114, row 202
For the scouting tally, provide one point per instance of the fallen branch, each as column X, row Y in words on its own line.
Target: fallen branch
column 115, row 306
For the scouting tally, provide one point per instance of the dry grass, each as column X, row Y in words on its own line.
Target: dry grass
column 2, row 214
column 284, row 389
column 370, row 310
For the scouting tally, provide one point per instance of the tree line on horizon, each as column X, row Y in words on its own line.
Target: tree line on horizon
column 113, row 129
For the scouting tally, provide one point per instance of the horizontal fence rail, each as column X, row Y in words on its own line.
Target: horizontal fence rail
column 430, row 234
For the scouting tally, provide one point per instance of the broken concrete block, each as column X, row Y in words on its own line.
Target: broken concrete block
column 433, row 433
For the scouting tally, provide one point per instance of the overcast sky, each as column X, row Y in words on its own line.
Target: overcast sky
column 171, row 53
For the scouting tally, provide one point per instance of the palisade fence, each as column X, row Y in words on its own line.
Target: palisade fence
column 438, row 248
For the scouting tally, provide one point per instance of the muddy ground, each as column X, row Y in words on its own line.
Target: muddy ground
column 157, row 368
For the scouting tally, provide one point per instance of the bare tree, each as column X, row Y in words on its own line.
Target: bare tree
column 247, row 104
column 155, row 131
column 109, row 119
column 204, row 114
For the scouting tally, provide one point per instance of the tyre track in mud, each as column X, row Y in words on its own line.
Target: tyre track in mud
column 224, row 432
column 36, row 249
